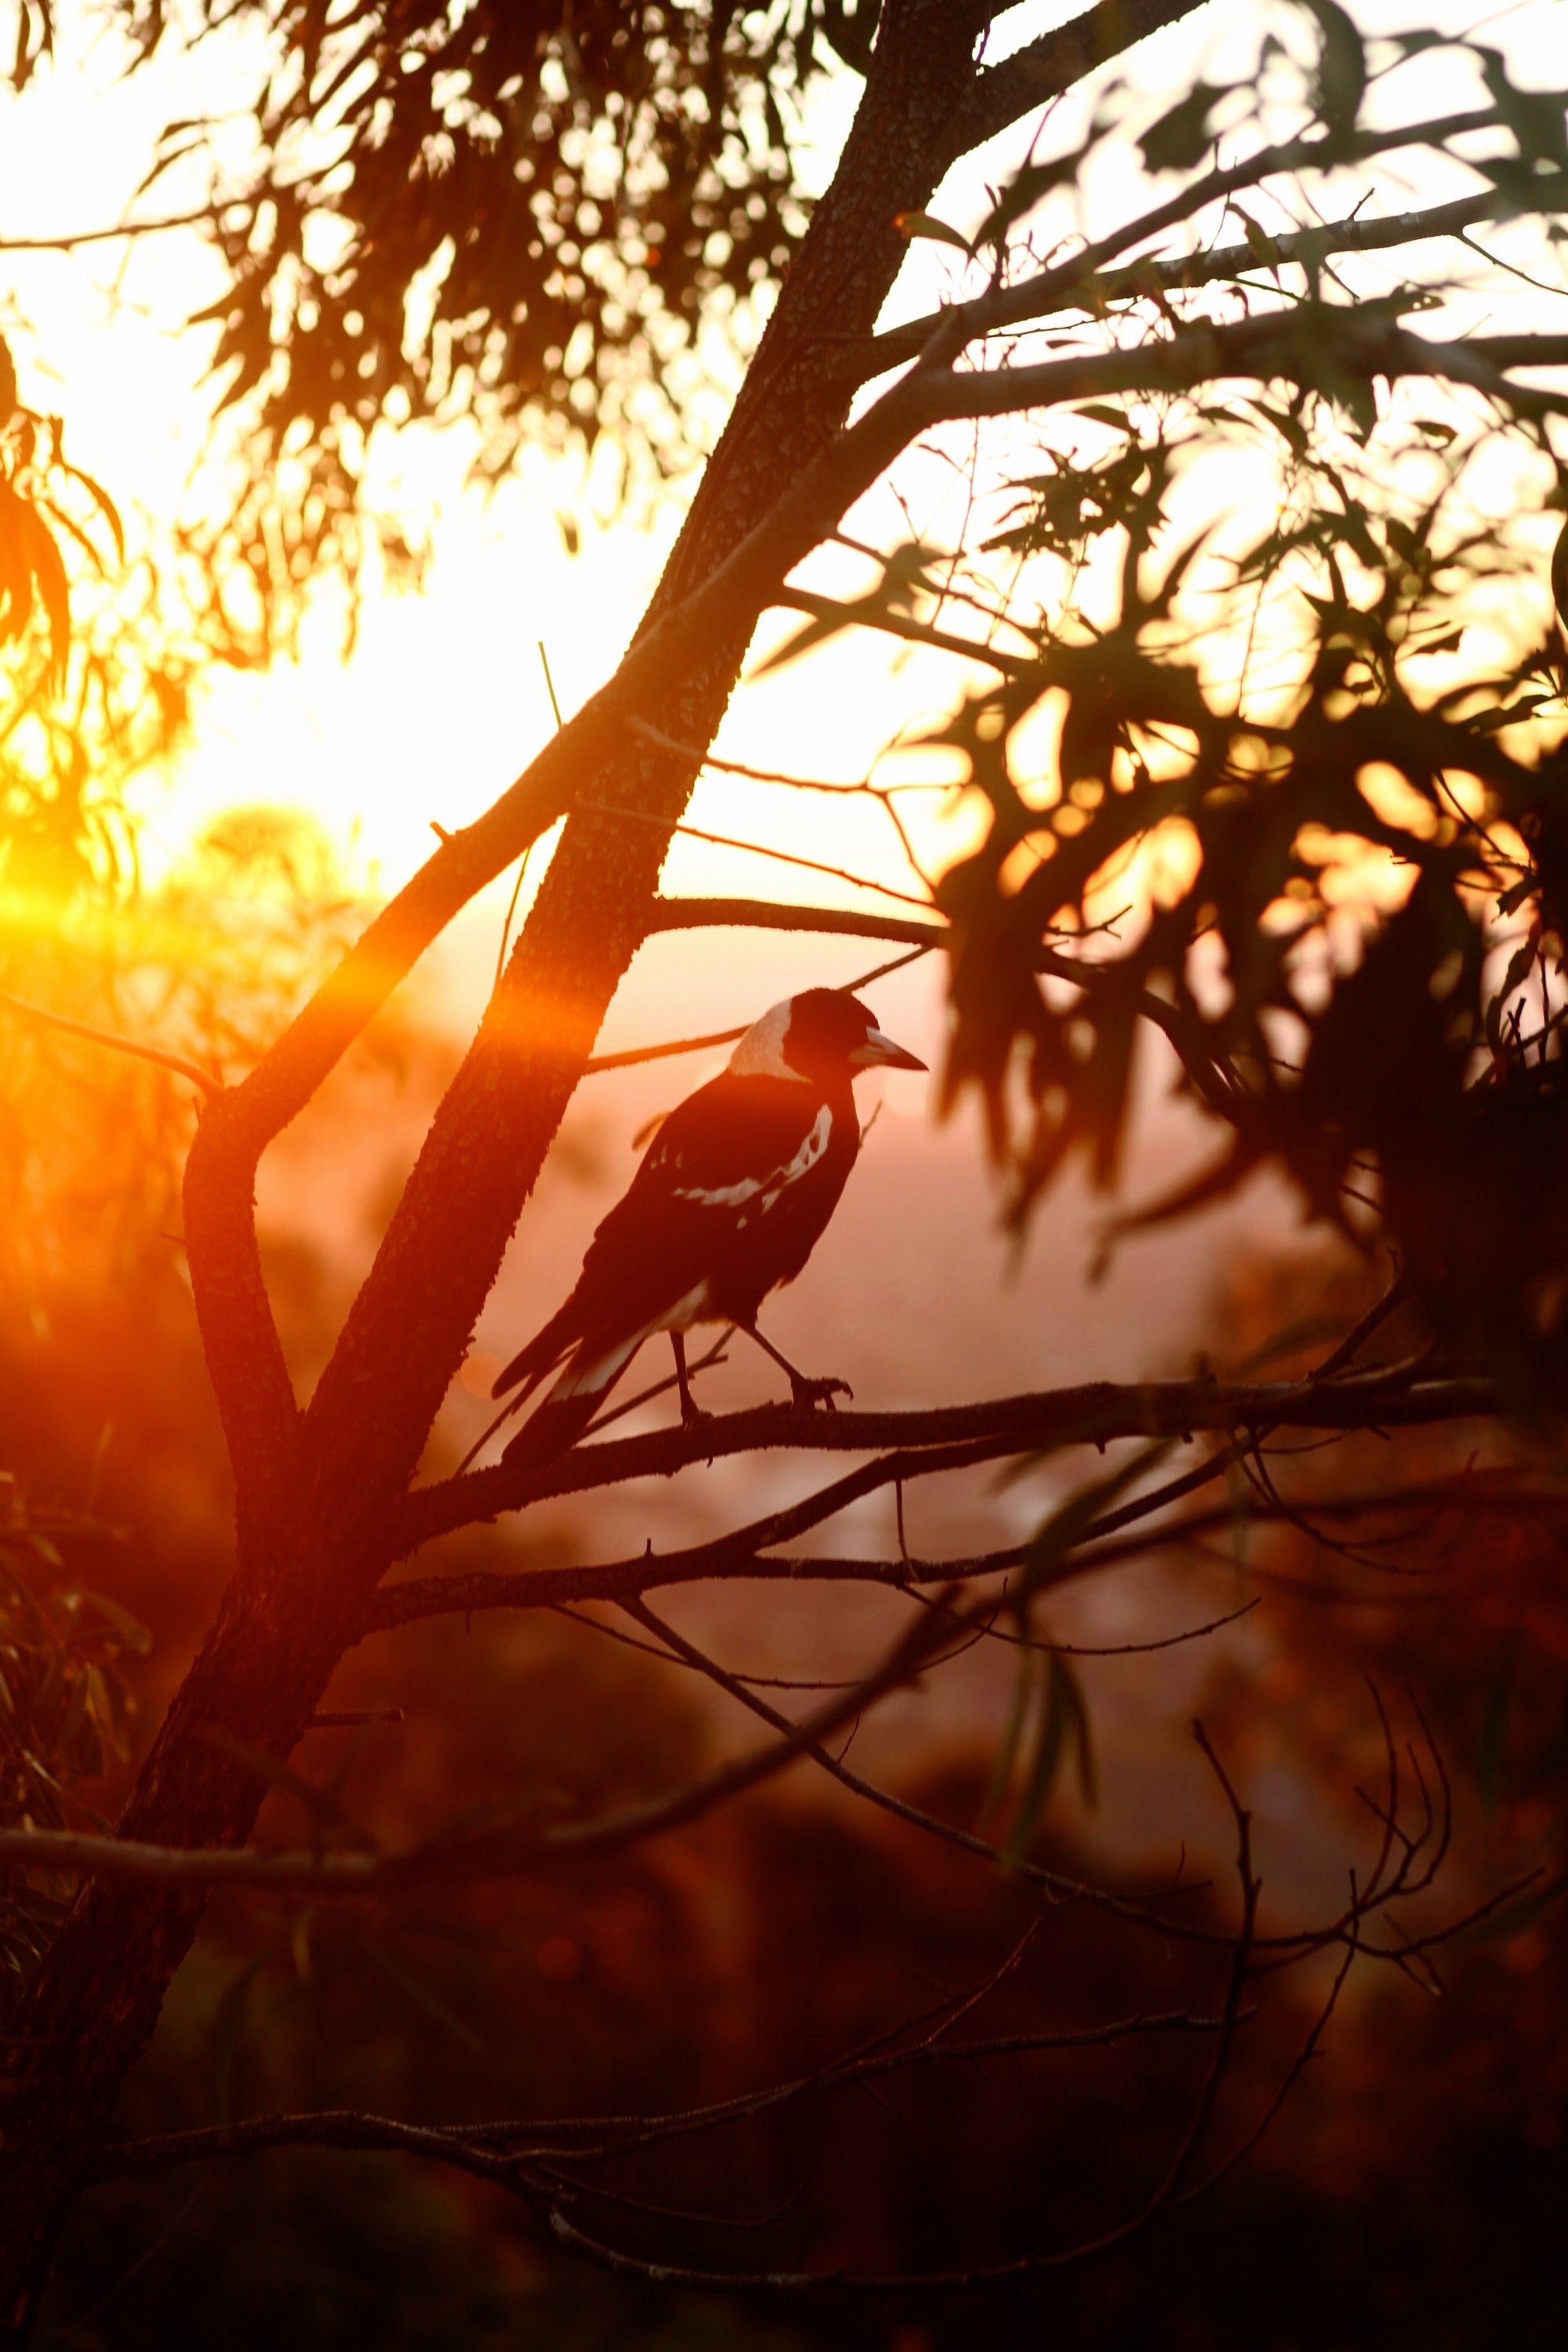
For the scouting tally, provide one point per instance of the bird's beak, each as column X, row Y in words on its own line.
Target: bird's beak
column 880, row 1053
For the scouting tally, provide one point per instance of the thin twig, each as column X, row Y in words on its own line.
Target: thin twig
column 176, row 1062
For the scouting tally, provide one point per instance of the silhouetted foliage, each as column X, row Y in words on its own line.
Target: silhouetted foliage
column 1299, row 792
column 519, row 212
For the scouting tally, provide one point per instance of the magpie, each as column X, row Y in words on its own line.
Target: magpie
column 729, row 1201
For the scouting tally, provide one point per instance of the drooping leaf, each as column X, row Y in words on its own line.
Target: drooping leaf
column 1181, row 137
column 916, row 224
column 1341, row 81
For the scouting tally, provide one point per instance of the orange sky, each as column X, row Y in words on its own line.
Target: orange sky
column 443, row 700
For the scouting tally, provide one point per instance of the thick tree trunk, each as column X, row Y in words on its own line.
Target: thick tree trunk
column 309, row 1555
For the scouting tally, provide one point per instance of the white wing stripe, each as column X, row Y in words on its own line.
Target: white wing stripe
column 735, row 1196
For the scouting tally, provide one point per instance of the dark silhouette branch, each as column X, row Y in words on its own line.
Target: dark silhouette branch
column 1259, row 348
column 738, row 1557
column 1064, row 287
column 560, row 2135
column 635, row 1056
column 950, row 1437
column 903, row 626
column 615, row 1580
column 70, row 240
column 771, row 915
column 1043, row 68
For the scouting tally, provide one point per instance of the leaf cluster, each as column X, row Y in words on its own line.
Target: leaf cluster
column 1288, row 790
column 520, row 212
column 37, row 501
column 94, row 679
column 1345, row 916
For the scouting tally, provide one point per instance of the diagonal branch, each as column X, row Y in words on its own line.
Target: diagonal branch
column 204, row 1079
column 771, row 915
column 1043, row 68
column 1100, row 1547
column 1070, row 286
column 872, row 615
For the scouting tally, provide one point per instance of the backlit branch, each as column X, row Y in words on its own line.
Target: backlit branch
column 203, row 1079
column 738, row 1557
column 951, row 1438
column 769, row 915
column 1043, row 68
column 1067, row 286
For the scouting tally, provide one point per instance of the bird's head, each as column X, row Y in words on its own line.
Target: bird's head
column 822, row 1036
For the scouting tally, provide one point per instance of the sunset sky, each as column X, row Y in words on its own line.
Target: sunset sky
column 443, row 700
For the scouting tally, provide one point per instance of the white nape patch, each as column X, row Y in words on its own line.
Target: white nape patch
column 776, row 1180
column 760, row 1054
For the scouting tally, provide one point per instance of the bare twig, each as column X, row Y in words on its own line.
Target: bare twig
column 487, row 1854
column 182, row 1068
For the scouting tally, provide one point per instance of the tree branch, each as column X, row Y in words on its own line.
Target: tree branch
column 204, row 1079
column 72, row 239
column 1273, row 345
column 616, row 1581
column 1067, row 287
column 876, row 616
column 492, row 1852
column 1043, row 68
column 622, row 1580
column 345, row 2128
column 771, row 915
column 950, row 1436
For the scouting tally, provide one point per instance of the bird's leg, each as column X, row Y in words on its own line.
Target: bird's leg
column 805, row 1392
column 690, row 1410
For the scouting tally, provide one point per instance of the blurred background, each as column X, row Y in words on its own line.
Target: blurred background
column 247, row 757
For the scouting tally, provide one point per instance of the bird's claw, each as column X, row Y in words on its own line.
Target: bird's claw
column 693, row 1415
column 807, row 1394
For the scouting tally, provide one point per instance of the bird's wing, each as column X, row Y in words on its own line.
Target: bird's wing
column 719, row 1165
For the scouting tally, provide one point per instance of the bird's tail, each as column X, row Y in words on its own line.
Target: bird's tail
column 542, row 1355
column 573, row 1401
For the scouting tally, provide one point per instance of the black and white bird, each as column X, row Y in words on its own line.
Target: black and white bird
column 730, row 1201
